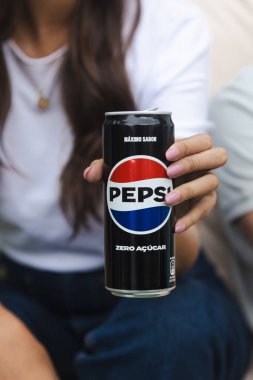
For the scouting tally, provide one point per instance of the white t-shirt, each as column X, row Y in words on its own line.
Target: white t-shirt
column 168, row 67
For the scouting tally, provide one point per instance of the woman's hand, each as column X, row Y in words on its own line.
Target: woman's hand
column 194, row 155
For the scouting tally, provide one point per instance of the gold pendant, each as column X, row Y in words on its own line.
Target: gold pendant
column 43, row 103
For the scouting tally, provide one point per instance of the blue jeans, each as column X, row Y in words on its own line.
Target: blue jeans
column 196, row 333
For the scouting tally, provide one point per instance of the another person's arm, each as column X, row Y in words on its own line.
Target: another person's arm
column 22, row 356
column 232, row 112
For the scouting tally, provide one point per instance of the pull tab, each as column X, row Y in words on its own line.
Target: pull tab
column 152, row 109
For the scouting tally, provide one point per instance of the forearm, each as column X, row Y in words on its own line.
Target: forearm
column 187, row 249
column 245, row 223
column 22, row 357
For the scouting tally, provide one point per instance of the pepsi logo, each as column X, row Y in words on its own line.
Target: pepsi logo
column 136, row 190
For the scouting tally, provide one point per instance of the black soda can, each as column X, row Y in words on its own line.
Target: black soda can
column 139, row 240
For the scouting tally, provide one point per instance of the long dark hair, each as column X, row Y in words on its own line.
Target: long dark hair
column 94, row 80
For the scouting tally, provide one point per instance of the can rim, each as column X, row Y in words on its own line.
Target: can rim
column 138, row 113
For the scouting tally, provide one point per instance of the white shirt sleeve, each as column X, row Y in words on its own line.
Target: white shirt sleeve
column 168, row 64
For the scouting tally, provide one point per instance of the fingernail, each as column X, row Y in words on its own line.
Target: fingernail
column 175, row 170
column 172, row 154
column 180, row 228
column 172, row 197
column 86, row 172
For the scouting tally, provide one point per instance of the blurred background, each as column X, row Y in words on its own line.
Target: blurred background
column 232, row 27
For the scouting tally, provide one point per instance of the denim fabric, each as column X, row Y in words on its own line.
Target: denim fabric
column 196, row 333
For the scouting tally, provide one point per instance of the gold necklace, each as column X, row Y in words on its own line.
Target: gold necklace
column 44, row 90
column 43, row 102
column 48, row 81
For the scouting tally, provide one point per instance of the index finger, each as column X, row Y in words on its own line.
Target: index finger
column 186, row 147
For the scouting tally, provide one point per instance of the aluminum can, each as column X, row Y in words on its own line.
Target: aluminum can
column 139, row 239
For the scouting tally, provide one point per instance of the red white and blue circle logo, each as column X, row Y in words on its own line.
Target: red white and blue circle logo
column 136, row 191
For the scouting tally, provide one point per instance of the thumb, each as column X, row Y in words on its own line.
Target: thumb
column 94, row 171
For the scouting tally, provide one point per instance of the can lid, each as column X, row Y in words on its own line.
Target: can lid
column 154, row 111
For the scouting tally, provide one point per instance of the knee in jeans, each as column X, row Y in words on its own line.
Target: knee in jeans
column 180, row 335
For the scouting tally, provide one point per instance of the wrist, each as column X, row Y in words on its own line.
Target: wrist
column 187, row 249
